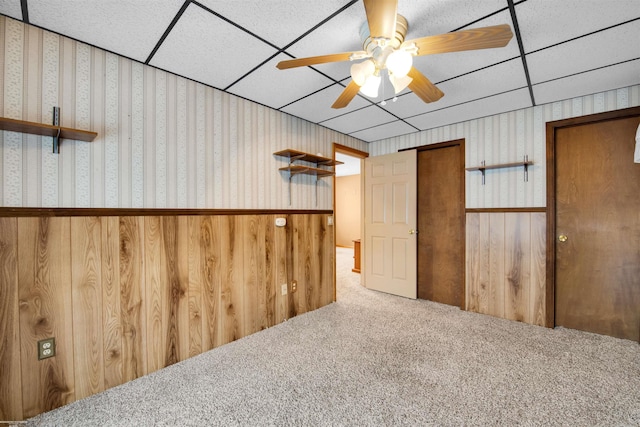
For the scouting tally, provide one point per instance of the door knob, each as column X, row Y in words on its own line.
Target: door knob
column 413, row 231
column 563, row 238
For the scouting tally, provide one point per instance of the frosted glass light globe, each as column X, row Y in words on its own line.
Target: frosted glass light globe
column 399, row 62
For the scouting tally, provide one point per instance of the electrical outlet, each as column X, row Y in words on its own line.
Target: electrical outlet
column 46, row 348
column 284, row 288
column 294, row 286
column 330, row 220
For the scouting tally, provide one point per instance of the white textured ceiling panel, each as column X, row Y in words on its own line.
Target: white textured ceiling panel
column 130, row 28
column 428, row 18
column 606, row 48
column 384, row 131
column 499, row 78
column 497, row 104
column 315, row 107
column 543, row 24
column 276, row 88
column 277, row 21
column 447, row 65
column 600, row 80
column 573, row 47
column 11, row 8
column 360, row 119
column 210, row 50
column 340, row 34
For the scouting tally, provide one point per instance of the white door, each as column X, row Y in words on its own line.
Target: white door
column 390, row 219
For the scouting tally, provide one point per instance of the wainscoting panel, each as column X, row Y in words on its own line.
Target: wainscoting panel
column 126, row 296
column 505, row 265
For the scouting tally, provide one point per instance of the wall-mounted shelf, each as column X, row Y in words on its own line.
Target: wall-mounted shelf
column 55, row 131
column 525, row 163
column 294, row 169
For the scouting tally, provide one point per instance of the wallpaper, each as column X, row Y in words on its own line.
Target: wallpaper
column 163, row 141
column 507, row 138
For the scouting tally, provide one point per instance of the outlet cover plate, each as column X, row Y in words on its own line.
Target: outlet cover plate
column 46, row 348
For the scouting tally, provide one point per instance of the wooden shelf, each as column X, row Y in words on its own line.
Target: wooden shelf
column 34, row 128
column 307, row 170
column 525, row 163
column 294, row 155
column 294, row 169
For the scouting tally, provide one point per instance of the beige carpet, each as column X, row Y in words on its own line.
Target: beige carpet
column 376, row 359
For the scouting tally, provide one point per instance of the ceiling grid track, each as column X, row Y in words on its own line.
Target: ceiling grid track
column 173, row 23
column 25, row 11
column 516, row 31
column 283, row 50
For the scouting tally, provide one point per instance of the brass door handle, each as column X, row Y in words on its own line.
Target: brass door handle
column 413, row 231
column 563, row 238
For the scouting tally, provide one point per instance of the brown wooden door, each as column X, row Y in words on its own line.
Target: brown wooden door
column 598, row 228
column 441, row 223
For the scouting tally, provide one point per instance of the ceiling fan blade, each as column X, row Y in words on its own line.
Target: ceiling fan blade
column 347, row 95
column 313, row 60
column 381, row 15
column 476, row 38
column 423, row 87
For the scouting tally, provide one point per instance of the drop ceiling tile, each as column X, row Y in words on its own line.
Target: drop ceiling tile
column 317, row 107
column 11, row 8
column 208, row 49
column 448, row 65
column 129, row 28
column 277, row 88
column 340, row 34
column 603, row 79
column 587, row 53
column 497, row 104
column 388, row 130
column 359, row 120
column 432, row 17
column 486, row 82
column 277, row 21
column 542, row 25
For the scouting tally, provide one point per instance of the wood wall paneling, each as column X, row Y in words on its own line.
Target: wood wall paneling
column 282, row 256
column 125, row 296
column 195, row 286
column 210, row 276
column 232, row 286
column 497, row 247
column 517, row 266
column 86, row 299
column 254, row 247
column 537, row 299
column 132, row 302
column 10, row 353
column 505, row 265
column 112, row 325
column 44, row 289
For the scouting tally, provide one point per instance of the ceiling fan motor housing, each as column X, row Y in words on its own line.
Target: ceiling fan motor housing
column 370, row 43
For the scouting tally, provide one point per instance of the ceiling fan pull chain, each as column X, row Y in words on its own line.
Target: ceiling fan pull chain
column 383, row 102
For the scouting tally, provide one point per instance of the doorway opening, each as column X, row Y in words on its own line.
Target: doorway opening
column 347, row 201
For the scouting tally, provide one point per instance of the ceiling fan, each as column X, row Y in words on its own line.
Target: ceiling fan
column 384, row 48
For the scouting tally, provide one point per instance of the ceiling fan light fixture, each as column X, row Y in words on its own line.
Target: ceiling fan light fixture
column 371, row 86
column 399, row 62
column 399, row 83
column 361, row 71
